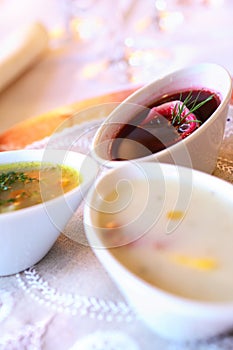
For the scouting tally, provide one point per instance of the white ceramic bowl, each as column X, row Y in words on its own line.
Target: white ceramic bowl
column 190, row 298
column 26, row 235
column 200, row 149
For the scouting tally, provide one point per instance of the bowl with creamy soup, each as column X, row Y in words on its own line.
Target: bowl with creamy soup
column 165, row 235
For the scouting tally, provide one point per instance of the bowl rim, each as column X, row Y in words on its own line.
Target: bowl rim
column 189, row 305
column 132, row 99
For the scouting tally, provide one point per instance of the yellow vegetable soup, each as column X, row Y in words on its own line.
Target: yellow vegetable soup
column 24, row 184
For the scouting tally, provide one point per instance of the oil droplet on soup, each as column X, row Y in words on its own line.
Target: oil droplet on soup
column 24, row 184
column 195, row 260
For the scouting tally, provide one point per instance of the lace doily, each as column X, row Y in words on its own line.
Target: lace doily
column 68, row 301
column 106, row 340
column 28, row 337
column 41, row 290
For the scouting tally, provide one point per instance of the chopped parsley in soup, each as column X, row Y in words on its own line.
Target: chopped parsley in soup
column 24, row 184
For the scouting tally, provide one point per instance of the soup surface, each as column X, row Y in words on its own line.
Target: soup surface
column 186, row 249
column 25, row 184
column 168, row 120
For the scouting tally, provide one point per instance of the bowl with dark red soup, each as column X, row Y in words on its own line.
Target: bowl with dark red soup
column 178, row 119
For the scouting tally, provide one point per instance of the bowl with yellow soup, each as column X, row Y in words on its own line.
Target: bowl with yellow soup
column 39, row 192
column 165, row 235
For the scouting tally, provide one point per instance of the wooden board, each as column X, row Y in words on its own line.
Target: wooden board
column 36, row 128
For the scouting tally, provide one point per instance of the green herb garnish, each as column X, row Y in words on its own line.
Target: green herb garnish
column 11, row 177
column 7, row 201
column 179, row 108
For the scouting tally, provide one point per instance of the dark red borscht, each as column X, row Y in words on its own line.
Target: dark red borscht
column 168, row 120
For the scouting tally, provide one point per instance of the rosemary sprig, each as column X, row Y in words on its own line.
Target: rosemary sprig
column 179, row 108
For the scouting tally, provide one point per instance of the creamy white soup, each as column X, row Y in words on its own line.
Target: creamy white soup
column 181, row 240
